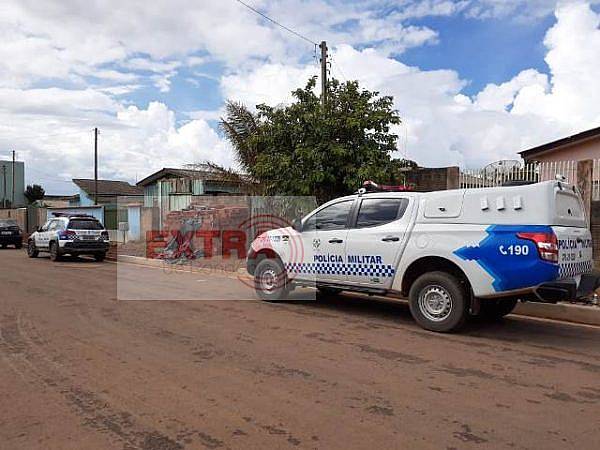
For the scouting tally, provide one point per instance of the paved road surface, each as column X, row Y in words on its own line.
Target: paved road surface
column 81, row 369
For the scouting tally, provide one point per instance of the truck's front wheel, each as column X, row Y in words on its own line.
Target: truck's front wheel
column 438, row 302
column 270, row 280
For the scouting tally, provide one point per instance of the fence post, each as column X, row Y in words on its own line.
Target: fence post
column 453, row 178
column 584, row 184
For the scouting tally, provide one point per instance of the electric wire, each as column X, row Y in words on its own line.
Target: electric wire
column 276, row 23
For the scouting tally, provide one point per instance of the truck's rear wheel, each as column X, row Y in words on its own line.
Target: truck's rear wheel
column 438, row 302
column 497, row 309
column 270, row 280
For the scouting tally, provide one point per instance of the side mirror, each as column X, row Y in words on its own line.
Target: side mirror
column 38, row 229
column 297, row 225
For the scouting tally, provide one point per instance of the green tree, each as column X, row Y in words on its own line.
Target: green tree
column 301, row 149
column 34, row 192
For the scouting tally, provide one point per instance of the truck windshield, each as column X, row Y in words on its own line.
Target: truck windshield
column 84, row 224
column 8, row 223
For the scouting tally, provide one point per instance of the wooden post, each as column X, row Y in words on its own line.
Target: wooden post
column 95, row 166
column 584, row 184
column 323, row 47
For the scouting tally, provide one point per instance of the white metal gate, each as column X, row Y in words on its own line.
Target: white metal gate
column 529, row 172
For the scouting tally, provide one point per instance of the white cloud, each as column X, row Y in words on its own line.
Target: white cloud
column 269, row 83
column 446, row 127
column 500, row 97
column 133, row 142
column 152, row 140
column 521, row 10
column 102, row 51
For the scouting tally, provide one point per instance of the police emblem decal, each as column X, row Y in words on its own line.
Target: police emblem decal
column 316, row 243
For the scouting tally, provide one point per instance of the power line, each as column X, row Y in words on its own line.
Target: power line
column 338, row 67
column 277, row 23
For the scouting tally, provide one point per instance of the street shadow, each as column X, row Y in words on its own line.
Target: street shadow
column 71, row 259
column 395, row 313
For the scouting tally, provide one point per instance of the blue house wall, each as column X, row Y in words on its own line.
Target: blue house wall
column 6, row 169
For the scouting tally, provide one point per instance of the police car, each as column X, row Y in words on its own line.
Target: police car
column 70, row 235
column 452, row 253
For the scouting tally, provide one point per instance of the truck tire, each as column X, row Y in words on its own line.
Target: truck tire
column 54, row 251
column 32, row 250
column 497, row 309
column 270, row 280
column 99, row 257
column 438, row 302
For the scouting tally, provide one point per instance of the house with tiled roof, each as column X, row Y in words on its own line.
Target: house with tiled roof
column 578, row 147
column 108, row 191
column 118, row 199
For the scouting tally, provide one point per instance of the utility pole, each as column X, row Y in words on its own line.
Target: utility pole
column 95, row 166
column 323, row 47
column 12, row 203
column 4, row 188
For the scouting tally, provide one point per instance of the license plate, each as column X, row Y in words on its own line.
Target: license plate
column 5, row 233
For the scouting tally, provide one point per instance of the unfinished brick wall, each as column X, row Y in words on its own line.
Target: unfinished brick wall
column 210, row 227
column 595, row 229
column 434, row 179
column 19, row 214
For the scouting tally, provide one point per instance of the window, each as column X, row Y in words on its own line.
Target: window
column 52, row 225
column 378, row 211
column 333, row 217
column 85, row 224
column 8, row 223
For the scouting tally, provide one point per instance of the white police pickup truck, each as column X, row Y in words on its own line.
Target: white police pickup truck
column 452, row 253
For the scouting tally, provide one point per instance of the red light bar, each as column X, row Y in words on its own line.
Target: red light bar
column 371, row 186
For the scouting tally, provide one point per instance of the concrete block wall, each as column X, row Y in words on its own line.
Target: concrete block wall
column 427, row 179
column 595, row 229
column 18, row 214
column 216, row 220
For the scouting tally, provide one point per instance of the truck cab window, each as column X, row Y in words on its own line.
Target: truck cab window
column 333, row 217
column 379, row 211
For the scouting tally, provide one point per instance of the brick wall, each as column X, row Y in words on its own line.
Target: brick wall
column 434, row 179
column 225, row 220
column 19, row 214
column 595, row 229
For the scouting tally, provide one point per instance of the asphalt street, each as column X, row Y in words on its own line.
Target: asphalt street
column 84, row 365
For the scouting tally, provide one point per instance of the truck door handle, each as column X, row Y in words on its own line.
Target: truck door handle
column 335, row 241
column 391, row 239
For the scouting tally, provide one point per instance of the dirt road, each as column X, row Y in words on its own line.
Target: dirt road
column 81, row 369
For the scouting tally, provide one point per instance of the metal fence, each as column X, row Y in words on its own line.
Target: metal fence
column 529, row 172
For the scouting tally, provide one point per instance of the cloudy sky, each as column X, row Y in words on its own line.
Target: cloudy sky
column 474, row 80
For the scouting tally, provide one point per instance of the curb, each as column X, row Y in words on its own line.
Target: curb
column 140, row 260
column 161, row 263
column 565, row 312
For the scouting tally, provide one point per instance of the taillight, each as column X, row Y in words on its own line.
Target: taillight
column 546, row 243
column 67, row 235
